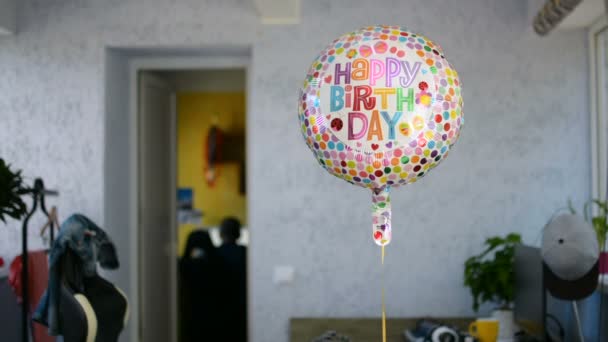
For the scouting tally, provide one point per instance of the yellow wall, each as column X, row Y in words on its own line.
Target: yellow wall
column 196, row 114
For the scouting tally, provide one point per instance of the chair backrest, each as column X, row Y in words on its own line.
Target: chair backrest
column 91, row 308
column 78, row 321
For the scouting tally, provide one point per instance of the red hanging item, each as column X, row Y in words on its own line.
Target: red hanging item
column 14, row 277
column 38, row 269
column 212, row 158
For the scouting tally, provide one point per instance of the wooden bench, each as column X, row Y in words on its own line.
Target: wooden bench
column 361, row 329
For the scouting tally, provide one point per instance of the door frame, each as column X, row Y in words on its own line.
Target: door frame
column 166, row 62
column 159, row 82
column 597, row 103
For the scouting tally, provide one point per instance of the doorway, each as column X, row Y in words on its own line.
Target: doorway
column 192, row 160
column 157, row 149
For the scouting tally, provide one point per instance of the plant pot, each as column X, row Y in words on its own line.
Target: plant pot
column 506, row 325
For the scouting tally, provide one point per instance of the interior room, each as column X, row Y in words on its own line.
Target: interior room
column 199, row 170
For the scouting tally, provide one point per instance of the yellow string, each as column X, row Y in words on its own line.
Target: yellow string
column 383, row 304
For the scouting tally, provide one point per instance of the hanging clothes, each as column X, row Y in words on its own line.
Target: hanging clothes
column 38, row 271
column 213, row 155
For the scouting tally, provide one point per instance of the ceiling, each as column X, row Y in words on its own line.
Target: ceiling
column 285, row 12
column 278, row 11
column 8, row 16
column 281, row 12
column 584, row 15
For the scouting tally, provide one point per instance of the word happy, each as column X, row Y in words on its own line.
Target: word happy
column 388, row 86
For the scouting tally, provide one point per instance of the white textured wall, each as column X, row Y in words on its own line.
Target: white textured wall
column 523, row 152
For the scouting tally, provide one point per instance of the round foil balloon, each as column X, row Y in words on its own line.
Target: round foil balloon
column 380, row 107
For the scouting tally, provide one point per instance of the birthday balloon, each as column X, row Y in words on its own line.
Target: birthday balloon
column 381, row 107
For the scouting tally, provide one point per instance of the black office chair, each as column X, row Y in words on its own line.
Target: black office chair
column 92, row 309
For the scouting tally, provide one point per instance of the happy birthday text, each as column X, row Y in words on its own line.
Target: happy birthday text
column 398, row 76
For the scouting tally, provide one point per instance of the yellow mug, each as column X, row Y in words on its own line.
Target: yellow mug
column 485, row 329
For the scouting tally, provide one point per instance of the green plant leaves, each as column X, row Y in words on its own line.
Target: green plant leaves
column 492, row 280
column 599, row 222
column 11, row 190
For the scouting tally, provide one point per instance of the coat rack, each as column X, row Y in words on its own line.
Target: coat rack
column 38, row 193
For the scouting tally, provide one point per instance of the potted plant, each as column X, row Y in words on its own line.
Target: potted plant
column 491, row 278
column 11, row 190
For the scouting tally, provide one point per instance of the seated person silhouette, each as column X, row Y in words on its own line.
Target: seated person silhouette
column 199, row 293
column 233, row 263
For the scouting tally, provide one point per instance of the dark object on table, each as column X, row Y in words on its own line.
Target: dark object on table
column 331, row 336
column 432, row 331
column 523, row 337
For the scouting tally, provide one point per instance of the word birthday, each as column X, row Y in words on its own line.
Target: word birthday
column 376, row 96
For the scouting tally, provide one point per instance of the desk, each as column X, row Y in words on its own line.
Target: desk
column 360, row 329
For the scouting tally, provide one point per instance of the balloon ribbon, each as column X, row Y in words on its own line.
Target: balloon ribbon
column 383, row 303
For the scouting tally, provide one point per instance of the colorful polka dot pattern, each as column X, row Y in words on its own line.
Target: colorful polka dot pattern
column 381, row 216
column 420, row 144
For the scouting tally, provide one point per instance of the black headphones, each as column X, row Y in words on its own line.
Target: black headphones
column 436, row 332
column 561, row 332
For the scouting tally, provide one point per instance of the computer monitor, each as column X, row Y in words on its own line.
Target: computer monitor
column 529, row 298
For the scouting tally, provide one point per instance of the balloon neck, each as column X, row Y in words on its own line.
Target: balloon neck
column 381, row 216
